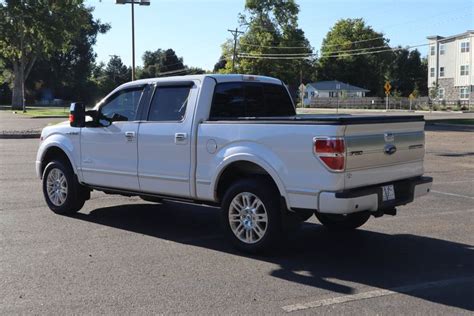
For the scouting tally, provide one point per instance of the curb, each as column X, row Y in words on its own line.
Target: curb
column 465, row 126
column 49, row 116
column 19, row 136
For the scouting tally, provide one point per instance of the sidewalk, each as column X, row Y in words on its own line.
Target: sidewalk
column 435, row 115
column 19, row 126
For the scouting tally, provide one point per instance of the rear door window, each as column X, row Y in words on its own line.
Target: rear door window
column 169, row 104
column 228, row 100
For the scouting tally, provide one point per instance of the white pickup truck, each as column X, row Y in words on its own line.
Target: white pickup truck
column 236, row 142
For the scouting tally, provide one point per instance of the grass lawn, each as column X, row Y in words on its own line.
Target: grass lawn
column 455, row 121
column 46, row 111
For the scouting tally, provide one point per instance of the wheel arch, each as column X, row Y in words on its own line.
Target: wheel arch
column 238, row 167
column 55, row 152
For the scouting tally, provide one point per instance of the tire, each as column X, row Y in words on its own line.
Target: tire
column 251, row 215
column 65, row 195
column 343, row 222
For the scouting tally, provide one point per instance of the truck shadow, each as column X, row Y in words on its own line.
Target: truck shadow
column 312, row 256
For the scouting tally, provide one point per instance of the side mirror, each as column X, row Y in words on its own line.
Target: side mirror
column 77, row 115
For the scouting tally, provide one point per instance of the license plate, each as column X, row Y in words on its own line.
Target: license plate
column 388, row 193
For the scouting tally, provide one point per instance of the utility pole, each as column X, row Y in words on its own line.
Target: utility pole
column 133, row 41
column 301, row 85
column 235, row 33
column 133, row 2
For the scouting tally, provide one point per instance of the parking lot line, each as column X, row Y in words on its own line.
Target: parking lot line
column 375, row 293
column 453, row 194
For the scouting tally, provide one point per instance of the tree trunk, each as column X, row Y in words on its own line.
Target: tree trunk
column 21, row 70
column 17, row 93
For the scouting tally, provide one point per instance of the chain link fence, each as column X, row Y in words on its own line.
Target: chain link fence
column 394, row 103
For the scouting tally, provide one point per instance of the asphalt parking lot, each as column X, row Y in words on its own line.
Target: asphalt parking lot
column 124, row 255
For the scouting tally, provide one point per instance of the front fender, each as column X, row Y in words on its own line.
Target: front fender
column 65, row 144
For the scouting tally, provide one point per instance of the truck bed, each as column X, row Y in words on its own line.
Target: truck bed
column 329, row 119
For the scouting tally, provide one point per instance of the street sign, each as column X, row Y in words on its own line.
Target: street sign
column 411, row 96
column 387, row 88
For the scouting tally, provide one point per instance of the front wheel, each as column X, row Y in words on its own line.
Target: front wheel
column 62, row 192
column 343, row 222
column 251, row 215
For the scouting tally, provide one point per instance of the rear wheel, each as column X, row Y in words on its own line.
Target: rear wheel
column 251, row 215
column 343, row 222
column 62, row 192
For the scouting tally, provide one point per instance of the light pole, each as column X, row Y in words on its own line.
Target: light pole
column 133, row 2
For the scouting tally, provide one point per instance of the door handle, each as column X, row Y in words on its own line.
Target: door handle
column 180, row 137
column 130, row 135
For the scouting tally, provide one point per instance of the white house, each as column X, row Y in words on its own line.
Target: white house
column 331, row 89
column 450, row 63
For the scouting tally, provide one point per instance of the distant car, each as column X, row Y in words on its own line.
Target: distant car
column 234, row 141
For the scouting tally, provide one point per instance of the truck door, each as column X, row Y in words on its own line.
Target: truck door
column 164, row 140
column 109, row 151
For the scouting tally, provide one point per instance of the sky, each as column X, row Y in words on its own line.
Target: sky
column 196, row 29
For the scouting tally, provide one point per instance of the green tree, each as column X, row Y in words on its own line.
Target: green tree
column 30, row 29
column 433, row 92
column 110, row 76
column 346, row 55
column 220, row 64
column 421, row 70
column 68, row 74
column 407, row 72
column 160, row 61
column 272, row 27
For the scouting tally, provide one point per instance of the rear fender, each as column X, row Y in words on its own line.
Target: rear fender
column 246, row 152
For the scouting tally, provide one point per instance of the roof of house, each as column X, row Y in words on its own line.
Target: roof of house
column 443, row 38
column 333, row 86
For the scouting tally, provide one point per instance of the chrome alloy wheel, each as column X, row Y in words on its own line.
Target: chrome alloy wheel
column 248, row 218
column 56, row 185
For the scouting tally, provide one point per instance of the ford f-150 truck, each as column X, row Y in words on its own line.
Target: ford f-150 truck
column 234, row 141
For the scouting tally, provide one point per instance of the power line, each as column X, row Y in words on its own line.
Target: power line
column 281, row 47
column 285, row 56
column 173, row 72
column 336, row 52
column 437, row 22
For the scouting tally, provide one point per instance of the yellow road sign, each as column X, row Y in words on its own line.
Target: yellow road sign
column 411, row 96
column 387, row 87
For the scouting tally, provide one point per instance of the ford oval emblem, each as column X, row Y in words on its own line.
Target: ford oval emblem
column 390, row 149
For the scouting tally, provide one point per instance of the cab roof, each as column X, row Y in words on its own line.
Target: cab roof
column 218, row 77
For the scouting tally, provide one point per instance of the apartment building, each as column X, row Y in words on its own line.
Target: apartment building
column 450, row 66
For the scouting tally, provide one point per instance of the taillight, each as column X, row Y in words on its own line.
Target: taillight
column 331, row 151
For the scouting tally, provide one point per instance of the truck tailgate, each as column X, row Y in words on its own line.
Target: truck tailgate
column 381, row 149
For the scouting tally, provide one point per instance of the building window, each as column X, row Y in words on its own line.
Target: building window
column 464, row 93
column 464, row 70
column 432, row 72
column 464, row 47
column 441, row 93
column 442, row 49
column 441, row 71
column 432, row 50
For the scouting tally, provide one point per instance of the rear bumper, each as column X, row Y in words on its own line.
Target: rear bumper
column 370, row 198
